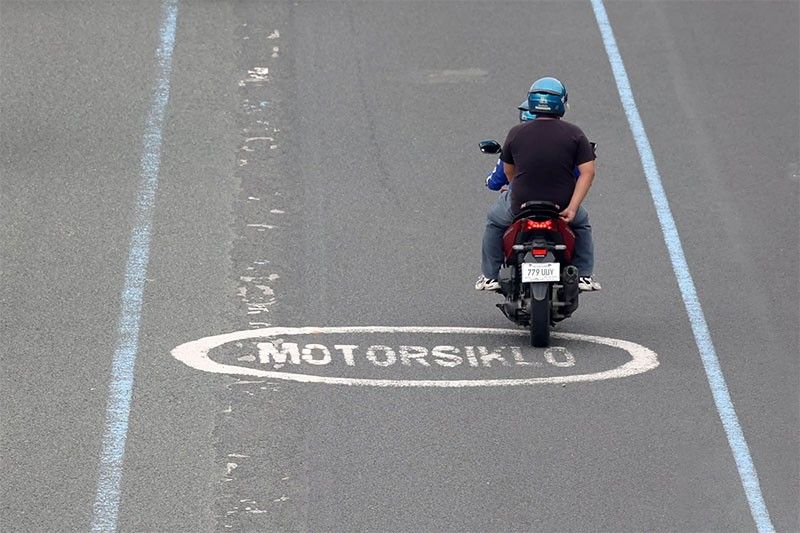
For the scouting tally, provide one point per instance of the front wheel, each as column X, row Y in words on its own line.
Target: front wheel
column 540, row 321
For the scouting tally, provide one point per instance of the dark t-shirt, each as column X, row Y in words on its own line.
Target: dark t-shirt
column 545, row 153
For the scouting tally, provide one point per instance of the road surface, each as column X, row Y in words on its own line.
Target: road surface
column 316, row 165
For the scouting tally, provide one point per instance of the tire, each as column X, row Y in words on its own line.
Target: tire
column 540, row 321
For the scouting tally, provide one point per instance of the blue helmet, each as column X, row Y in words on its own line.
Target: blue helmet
column 547, row 96
column 524, row 113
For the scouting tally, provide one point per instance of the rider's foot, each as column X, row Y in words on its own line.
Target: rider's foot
column 486, row 284
column 587, row 284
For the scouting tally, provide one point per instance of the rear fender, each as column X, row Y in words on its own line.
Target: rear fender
column 539, row 290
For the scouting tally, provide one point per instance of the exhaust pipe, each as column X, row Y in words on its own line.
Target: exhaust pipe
column 570, row 284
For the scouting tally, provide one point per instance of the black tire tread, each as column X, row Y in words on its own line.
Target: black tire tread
column 540, row 322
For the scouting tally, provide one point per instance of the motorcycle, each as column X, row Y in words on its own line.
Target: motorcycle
column 537, row 279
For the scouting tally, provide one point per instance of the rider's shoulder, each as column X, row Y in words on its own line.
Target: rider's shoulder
column 572, row 130
column 512, row 133
column 515, row 128
column 567, row 124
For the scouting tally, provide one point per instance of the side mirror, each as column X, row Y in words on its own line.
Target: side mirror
column 489, row 147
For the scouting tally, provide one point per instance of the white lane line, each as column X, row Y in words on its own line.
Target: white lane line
column 105, row 509
column 702, row 335
column 195, row 355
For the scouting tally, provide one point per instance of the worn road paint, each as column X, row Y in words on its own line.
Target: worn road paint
column 278, row 353
column 702, row 335
column 195, row 355
column 456, row 76
column 105, row 509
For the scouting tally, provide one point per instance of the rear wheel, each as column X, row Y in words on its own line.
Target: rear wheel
column 540, row 321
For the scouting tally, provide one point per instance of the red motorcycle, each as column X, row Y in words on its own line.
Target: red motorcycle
column 537, row 278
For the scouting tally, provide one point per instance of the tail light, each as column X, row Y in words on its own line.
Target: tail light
column 538, row 224
column 539, row 252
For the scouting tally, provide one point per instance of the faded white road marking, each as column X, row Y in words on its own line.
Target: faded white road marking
column 195, row 355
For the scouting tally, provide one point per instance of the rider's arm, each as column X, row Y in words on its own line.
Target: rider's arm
column 510, row 170
column 506, row 154
column 582, row 186
column 496, row 180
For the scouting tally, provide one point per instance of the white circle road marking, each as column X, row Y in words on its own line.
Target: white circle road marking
column 195, row 355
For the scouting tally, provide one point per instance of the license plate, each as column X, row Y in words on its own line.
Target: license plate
column 535, row 272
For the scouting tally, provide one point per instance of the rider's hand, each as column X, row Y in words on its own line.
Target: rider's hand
column 504, row 188
column 568, row 214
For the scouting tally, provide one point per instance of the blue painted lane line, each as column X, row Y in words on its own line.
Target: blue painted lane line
column 702, row 336
column 105, row 510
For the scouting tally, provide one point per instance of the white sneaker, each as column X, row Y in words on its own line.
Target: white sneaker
column 484, row 284
column 587, row 284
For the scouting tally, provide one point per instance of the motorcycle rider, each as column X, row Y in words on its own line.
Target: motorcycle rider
column 538, row 159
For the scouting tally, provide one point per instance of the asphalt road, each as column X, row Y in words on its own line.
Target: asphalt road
column 320, row 168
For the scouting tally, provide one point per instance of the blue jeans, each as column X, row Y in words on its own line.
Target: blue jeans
column 500, row 217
